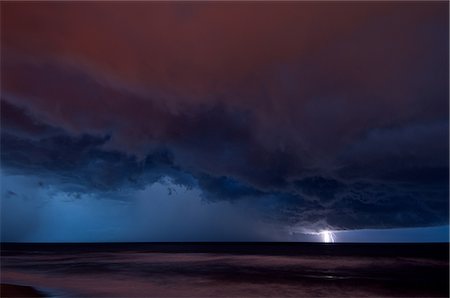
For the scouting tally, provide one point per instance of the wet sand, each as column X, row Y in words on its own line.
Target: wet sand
column 9, row 290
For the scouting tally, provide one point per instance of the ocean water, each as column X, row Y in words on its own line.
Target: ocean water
column 229, row 269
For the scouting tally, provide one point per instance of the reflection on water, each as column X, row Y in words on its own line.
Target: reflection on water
column 159, row 270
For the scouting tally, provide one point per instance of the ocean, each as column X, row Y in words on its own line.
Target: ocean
column 228, row 269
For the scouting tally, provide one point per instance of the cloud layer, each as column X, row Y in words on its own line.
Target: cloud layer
column 314, row 115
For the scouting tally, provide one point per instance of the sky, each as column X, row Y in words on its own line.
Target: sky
column 224, row 121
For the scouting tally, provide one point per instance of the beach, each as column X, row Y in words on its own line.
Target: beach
column 9, row 290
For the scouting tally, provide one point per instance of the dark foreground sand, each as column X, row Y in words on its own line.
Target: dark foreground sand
column 9, row 290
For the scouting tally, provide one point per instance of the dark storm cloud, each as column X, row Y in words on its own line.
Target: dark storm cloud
column 16, row 121
column 319, row 115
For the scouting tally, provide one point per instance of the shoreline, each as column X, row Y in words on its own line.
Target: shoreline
column 15, row 290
